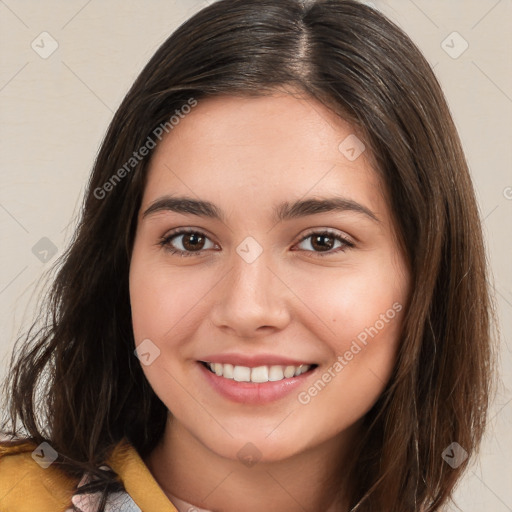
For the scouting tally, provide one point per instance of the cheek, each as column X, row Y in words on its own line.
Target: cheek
column 162, row 304
column 350, row 302
column 363, row 309
column 162, row 298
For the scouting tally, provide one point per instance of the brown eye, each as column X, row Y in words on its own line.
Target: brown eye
column 192, row 243
column 323, row 243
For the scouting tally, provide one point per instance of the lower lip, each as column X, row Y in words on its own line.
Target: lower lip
column 254, row 392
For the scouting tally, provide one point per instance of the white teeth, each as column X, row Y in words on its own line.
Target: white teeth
column 276, row 373
column 258, row 374
column 227, row 371
column 242, row 374
column 289, row 371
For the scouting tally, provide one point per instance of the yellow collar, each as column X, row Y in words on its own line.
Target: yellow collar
column 137, row 479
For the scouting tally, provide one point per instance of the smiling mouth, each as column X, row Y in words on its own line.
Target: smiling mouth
column 258, row 374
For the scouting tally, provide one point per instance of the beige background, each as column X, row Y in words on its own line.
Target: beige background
column 54, row 112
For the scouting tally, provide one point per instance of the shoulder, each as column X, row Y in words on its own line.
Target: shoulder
column 30, row 479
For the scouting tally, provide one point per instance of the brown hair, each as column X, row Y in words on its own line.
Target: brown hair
column 363, row 67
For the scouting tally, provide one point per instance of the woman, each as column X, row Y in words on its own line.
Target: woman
column 276, row 298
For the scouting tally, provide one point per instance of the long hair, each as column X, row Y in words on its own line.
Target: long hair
column 364, row 68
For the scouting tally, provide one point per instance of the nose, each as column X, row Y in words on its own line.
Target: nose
column 252, row 300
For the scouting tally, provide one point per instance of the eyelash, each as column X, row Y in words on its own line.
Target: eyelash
column 165, row 242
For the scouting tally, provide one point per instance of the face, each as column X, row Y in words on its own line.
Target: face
column 265, row 246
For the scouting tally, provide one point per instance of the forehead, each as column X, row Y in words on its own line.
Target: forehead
column 262, row 149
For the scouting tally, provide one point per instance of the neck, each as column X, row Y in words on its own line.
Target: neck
column 185, row 468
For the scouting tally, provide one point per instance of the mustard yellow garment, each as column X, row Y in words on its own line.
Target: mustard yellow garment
column 26, row 487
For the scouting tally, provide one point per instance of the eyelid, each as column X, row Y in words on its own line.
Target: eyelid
column 329, row 231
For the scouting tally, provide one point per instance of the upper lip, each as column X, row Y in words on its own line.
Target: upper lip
column 252, row 361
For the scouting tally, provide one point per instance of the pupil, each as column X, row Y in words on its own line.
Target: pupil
column 195, row 243
column 317, row 238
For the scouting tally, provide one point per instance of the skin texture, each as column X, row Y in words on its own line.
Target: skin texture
column 247, row 155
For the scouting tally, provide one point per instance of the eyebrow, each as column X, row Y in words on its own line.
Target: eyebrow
column 282, row 212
